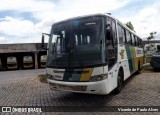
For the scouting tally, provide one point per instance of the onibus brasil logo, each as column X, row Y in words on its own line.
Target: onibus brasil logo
column 21, row 109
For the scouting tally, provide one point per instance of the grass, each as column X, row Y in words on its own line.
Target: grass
column 43, row 78
column 148, row 67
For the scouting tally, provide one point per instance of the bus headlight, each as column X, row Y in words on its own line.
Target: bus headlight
column 98, row 77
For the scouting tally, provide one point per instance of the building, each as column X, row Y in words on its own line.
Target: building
column 10, row 53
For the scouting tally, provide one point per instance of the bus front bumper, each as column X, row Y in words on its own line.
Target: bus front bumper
column 98, row 87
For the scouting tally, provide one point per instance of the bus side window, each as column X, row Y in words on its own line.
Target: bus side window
column 110, row 30
column 128, row 36
column 120, row 37
column 138, row 42
column 133, row 43
column 114, row 32
column 135, row 38
column 121, row 33
column 141, row 43
column 124, row 36
column 111, row 41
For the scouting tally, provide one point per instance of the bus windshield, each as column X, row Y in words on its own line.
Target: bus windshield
column 76, row 43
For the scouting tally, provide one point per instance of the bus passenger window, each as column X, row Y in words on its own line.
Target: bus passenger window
column 111, row 42
column 131, row 38
column 128, row 36
column 121, row 33
column 76, row 40
column 135, row 38
column 88, row 39
column 141, row 43
column 109, row 37
column 133, row 43
column 138, row 42
column 114, row 33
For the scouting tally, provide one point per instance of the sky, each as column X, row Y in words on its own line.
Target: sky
column 24, row 21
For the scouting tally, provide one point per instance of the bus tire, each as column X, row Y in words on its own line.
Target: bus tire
column 119, row 82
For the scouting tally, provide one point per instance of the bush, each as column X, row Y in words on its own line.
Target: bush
column 43, row 78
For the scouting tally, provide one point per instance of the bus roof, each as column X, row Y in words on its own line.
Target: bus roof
column 99, row 14
column 83, row 16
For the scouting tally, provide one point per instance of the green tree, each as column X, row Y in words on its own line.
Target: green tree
column 151, row 36
column 129, row 25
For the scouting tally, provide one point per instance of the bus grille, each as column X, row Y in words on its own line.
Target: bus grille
column 65, row 87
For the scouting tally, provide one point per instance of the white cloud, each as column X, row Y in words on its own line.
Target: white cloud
column 44, row 25
column 2, row 38
column 146, row 20
column 48, row 12
column 70, row 8
column 26, row 5
column 16, row 27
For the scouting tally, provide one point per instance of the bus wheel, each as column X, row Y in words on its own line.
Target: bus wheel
column 119, row 82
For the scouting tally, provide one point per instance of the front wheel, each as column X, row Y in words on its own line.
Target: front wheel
column 119, row 82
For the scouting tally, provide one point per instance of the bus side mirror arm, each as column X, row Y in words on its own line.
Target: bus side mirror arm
column 43, row 44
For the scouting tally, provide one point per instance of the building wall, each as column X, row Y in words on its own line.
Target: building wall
column 19, row 51
column 26, row 47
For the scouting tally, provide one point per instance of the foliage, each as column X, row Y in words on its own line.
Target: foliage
column 43, row 78
column 148, row 67
column 130, row 26
column 150, row 47
column 151, row 35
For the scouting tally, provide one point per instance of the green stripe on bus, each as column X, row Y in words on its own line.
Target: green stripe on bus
column 68, row 74
column 133, row 58
column 130, row 57
column 72, row 74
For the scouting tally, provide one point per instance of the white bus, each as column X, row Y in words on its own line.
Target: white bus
column 92, row 54
column 43, row 60
column 27, row 62
column 152, row 48
column 12, row 62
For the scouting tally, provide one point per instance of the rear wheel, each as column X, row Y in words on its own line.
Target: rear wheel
column 119, row 82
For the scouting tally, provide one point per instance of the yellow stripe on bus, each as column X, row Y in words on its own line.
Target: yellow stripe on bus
column 135, row 59
column 87, row 72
